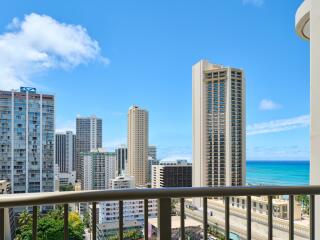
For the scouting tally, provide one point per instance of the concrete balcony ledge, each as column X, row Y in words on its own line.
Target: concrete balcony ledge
column 303, row 20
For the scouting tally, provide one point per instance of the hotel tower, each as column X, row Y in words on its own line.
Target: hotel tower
column 218, row 123
column 138, row 135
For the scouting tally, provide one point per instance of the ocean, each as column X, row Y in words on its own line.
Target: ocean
column 285, row 173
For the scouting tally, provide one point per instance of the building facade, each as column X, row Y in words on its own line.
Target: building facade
column 133, row 210
column 27, row 140
column 151, row 162
column 172, row 175
column 122, row 159
column 88, row 138
column 122, row 182
column 99, row 167
column 66, row 151
column 138, row 142
column 260, row 205
column 218, row 114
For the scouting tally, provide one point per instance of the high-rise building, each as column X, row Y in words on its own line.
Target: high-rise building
column 27, row 142
column 172, row 174
column 66, row 151
column 99, row 167
column 152, row 151
column 218, row 114
column 88, row 138
column 122, row 159
column 138, row 141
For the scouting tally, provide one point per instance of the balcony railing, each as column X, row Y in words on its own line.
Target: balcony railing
column 164, row 196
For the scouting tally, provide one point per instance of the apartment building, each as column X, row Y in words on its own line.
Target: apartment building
column 133, row 210
column 99, row 167
column 66, row 151
column 27, row 140
column 88, row 138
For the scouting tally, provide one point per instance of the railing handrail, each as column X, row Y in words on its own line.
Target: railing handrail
column 32, row 199
column 164, row 196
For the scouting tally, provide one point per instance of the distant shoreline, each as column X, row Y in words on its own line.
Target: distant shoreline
column 277, row 172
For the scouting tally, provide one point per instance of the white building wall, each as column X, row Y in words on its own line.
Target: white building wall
column 111, row 169
column 314, row 104
column 132, row 210
column 69, row 150
column 87, row 172
column 308, row 27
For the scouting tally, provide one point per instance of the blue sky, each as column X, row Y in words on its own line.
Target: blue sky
column 101, row 57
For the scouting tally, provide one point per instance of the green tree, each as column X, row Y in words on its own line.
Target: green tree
column 305, row 202
column 65, row 188
column 24, row 218
column 128, row 235
column 86, row 219
column 51, row 226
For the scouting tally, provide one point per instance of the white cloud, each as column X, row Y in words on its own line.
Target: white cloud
column 177, row 157
column 69, row 125
column 174, row 152
column 257, row 3
column 112, row 144
column 280, row 125
column 267, row 104
column 39, row 43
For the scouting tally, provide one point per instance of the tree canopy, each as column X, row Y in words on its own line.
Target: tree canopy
column 50, row 226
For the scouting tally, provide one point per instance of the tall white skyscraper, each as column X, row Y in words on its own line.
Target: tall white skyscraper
column 218, row 123
column 27, row 141
column 138, row 141
column 88, row 138
column 66, row 151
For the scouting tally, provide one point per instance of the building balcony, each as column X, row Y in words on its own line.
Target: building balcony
column 303, row 20
column 164, row 196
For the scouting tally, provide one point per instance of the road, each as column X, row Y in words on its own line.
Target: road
column 238, row 222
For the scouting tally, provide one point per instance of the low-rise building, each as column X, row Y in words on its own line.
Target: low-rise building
column 133, row 210
column 172, row 174
column 260, row 205
column 9, row 219
column 106, row 230
column 67, row 178
column 190, row 226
